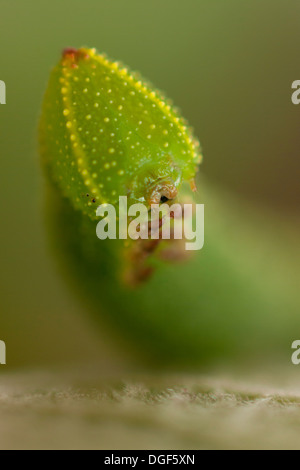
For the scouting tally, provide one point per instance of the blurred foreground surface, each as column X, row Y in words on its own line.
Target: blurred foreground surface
column 75, row 410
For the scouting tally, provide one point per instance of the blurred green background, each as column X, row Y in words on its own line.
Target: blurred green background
column 229, row 67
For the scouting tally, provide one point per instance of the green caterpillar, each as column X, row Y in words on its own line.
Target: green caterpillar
column 105, row 133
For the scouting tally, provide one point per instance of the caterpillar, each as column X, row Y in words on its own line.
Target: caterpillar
column 106, row 132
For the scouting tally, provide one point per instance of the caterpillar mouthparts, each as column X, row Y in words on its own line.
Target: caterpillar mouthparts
column 163, row 192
